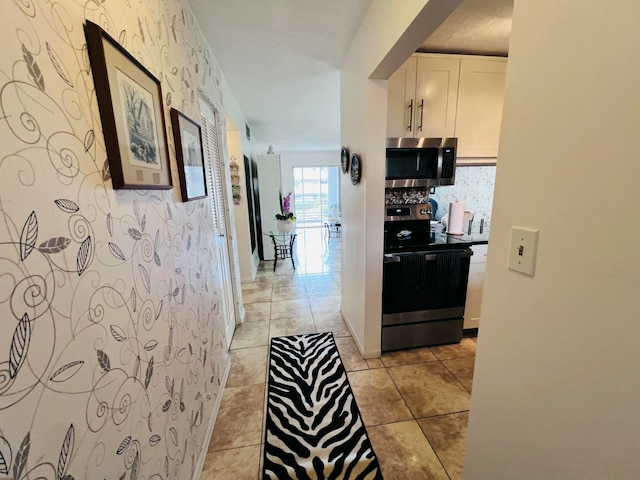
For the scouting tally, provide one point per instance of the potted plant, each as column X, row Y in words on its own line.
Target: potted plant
column 285, row 218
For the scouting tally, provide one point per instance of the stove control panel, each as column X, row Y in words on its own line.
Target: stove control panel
column 396, row 213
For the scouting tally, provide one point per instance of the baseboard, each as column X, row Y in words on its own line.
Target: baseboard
column 363, row 353
column 212, row 422
column 470, row 332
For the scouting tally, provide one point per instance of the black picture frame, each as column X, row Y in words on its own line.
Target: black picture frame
column 344, row 159
column 132, row 114
column 356, row 169
column 187, row 137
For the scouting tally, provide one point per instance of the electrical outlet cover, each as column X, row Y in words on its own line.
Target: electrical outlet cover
column 523, row 250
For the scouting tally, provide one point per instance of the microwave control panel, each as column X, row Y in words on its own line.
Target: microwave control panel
column 448, row 162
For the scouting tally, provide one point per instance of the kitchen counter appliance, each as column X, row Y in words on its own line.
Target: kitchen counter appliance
column 420, row 162
column 425, row 278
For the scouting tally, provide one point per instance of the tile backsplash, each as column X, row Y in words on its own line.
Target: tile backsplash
column 474, row 186
column 405, row 196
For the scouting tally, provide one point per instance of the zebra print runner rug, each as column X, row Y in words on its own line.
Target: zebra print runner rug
column 313, row 425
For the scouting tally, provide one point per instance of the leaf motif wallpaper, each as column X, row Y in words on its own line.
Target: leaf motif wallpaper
column 112, row 346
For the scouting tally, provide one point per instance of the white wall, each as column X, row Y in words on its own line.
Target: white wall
column 556, row 388
column 239, row 146
column 388, row 35
column 248, row 265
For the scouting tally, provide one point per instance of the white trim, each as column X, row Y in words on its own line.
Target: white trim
column 363, row 353
column 212, row 422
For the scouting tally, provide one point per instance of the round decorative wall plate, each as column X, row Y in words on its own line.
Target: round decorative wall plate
column 344, row 160
column 355, row 169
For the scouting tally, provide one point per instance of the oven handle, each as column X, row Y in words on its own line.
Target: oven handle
column 429, row 257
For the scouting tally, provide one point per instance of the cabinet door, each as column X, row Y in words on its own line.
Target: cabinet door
column 401, row 88
column 474, row 286
column 480, row 98
column 436, row 96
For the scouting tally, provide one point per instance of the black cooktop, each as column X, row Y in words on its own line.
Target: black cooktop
column 419, row 240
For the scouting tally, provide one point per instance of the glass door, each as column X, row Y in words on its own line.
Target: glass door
column 316, row 195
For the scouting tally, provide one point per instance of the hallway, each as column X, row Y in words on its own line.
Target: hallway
column 414, row 403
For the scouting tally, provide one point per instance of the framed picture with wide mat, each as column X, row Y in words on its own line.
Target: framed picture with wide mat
column 132, row 114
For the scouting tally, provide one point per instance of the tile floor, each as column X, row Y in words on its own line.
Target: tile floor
column 414, row 403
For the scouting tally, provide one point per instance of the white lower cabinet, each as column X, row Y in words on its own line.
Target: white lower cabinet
column 474, row 287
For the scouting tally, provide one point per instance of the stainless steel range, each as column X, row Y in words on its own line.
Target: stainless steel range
column 425, row 278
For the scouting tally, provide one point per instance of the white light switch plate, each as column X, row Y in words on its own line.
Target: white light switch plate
column 522, row 253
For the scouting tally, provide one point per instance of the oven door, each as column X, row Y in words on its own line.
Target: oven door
column 424, row 286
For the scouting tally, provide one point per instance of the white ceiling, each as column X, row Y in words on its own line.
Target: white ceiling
column 476, row 27
column 282, row 59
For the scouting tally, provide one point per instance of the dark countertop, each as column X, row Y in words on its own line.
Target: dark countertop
column 441, row 240
column 435, row 238
column 471, row 236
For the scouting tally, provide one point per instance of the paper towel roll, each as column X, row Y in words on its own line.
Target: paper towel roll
column 456, row 218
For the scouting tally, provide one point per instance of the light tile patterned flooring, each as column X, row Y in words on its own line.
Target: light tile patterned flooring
column 414, row 403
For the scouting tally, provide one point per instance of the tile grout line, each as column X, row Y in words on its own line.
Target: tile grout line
column 456, row 377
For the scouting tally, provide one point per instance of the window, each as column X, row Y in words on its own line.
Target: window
column 316, row 195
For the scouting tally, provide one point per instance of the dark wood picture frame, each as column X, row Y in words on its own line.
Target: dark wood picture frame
column 132, row 114
column 187, row 137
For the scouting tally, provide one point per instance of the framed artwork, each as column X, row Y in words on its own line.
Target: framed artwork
column 130, row 103
column 344, row 160
column 189, row 153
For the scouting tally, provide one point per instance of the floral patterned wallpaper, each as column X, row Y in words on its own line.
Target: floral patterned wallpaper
column 112, row 348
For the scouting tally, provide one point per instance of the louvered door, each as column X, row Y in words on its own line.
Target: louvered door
column 215, row 186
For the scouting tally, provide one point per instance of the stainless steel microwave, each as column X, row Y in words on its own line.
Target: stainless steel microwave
column 420, row 162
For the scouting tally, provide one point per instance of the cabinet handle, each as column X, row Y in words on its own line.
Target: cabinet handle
column 421, row 107
column 429, row 257
column 410, row 115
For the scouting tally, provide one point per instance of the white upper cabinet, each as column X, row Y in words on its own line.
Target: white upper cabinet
column 436, row 96
column 401, row 90
column 422, row 96
column 479, row 113
column 461, row 96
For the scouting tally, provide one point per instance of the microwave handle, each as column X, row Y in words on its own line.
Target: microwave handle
column 410, row 127
column 421, row 107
